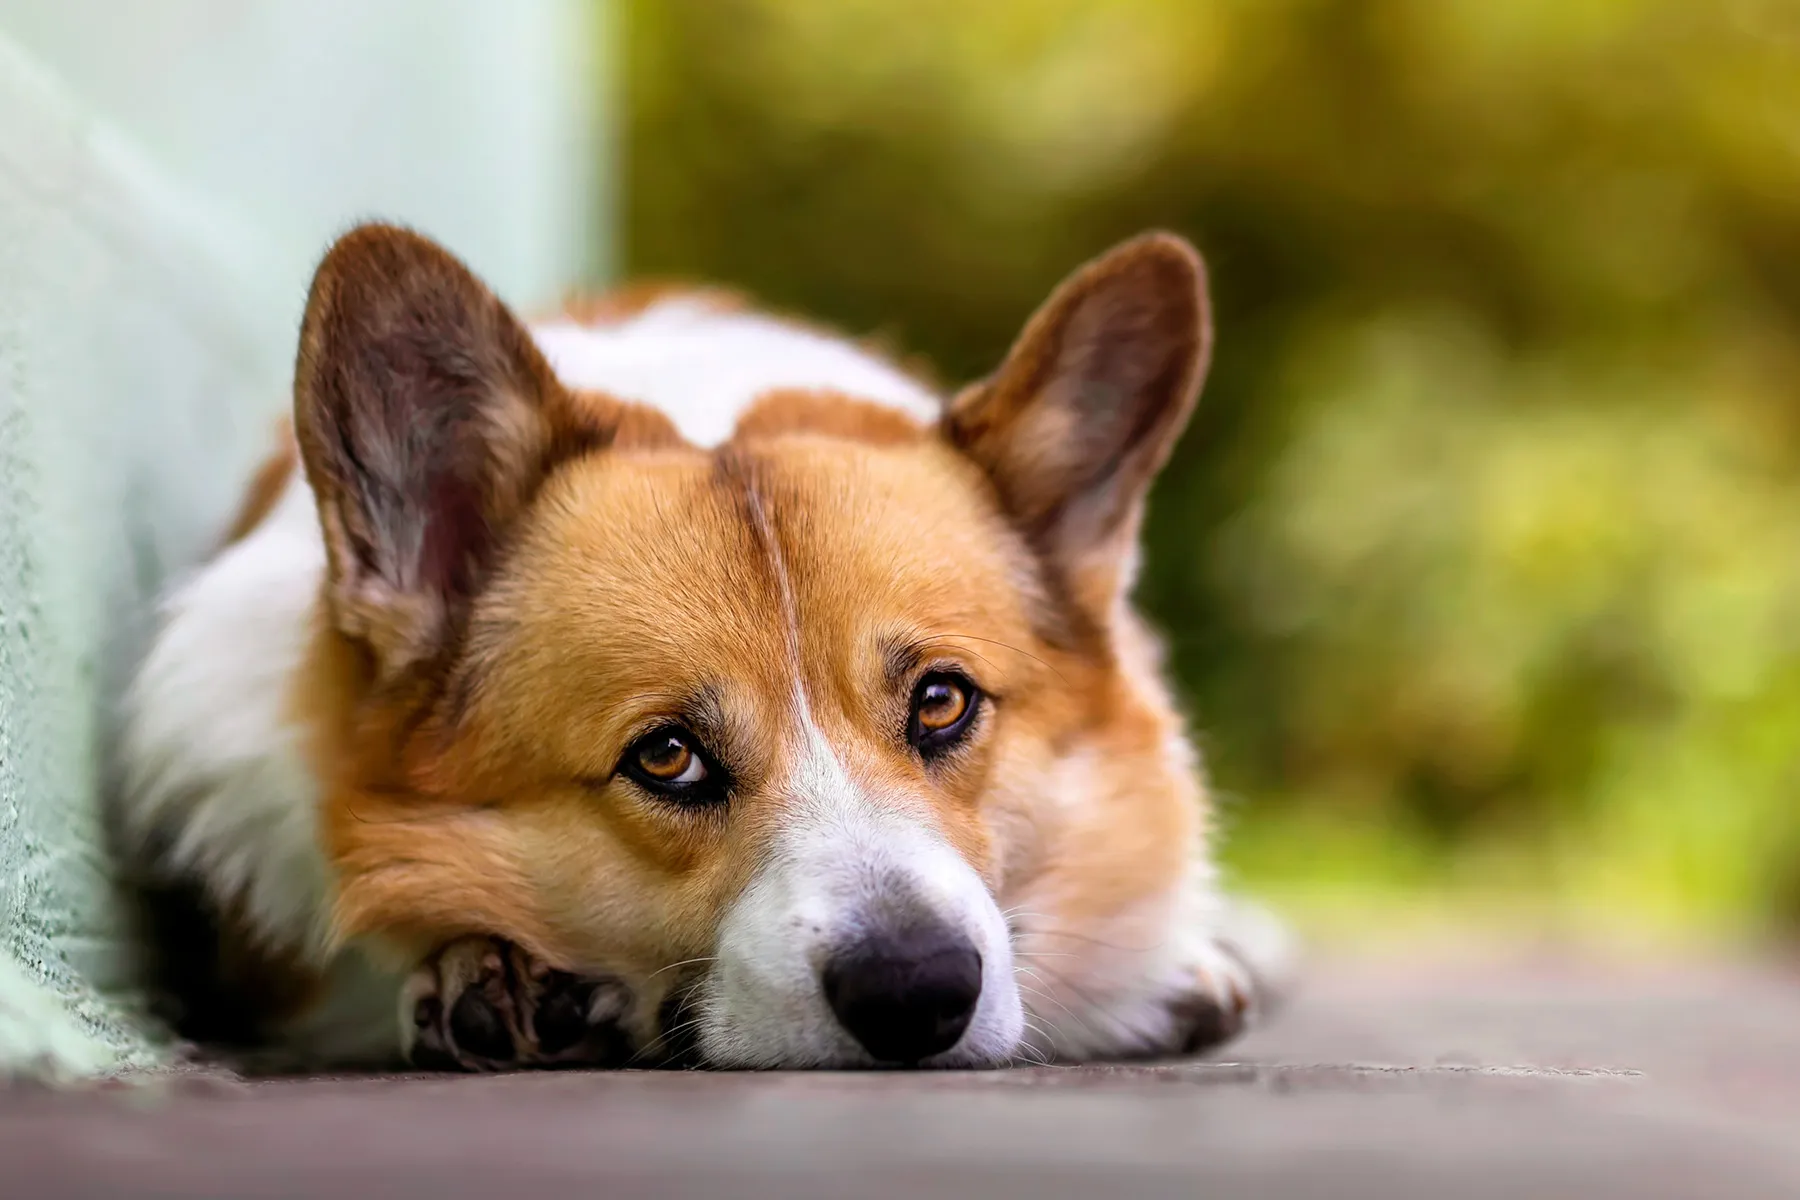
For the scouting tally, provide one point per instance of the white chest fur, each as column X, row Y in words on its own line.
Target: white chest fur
column 212, row 772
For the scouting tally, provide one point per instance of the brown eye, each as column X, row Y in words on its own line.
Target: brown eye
column 671, row 762
column 941, row 705
column 670, row 759
column 943, row 709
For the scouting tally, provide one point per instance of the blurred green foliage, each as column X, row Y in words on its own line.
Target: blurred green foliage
column 1481, row 564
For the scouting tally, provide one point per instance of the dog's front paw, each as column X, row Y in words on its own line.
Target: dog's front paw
column 483, row 1004
column 1241, row 971
column 1220, row 996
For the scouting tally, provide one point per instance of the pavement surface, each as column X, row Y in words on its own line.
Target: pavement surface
column 1473, row 1081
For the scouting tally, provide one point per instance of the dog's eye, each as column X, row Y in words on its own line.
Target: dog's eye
column 942, row 703
column 667, row 758
column 671, row 762
column 943, row 709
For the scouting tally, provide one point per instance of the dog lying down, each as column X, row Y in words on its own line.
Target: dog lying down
column 670, row 682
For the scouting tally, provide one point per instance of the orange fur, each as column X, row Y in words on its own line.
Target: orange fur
column 464, row 715
column 833, row 414
column 266, row 485
column 479, row 821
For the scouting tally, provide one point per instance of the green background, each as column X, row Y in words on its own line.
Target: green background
column 1479, row 563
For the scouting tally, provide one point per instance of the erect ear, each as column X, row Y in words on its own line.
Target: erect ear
column 1077, row 421
column 426, row 418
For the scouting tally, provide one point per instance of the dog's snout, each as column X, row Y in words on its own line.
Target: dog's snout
column 905, row 996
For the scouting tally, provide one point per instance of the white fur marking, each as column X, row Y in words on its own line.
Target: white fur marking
column 1137, row 969
column 703, row 368
column 209, row 754
column 212, row 774
column 842, row 857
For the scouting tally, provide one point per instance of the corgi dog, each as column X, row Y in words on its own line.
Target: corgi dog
column 666, row 682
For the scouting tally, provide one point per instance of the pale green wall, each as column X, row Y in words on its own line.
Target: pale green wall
column 168, row 174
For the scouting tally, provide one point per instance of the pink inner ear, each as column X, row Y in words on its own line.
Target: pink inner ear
column 455, row 536
column 1127, row 352
column 1082, row 414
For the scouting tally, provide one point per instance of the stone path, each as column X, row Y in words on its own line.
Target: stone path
column 1477, row 1081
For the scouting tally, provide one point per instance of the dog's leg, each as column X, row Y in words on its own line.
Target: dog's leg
column 1223, row 996
column 483, row 1004
column 1235, row 972
column 1210, row 973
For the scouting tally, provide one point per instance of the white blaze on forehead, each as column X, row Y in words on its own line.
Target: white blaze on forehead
column 702, row 368
column 847, row 863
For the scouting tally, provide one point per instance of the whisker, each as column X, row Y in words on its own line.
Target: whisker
column 1122, row 1034
column 1037, row 1055
column 664, row 1036
column 1093, row 941
column 687, row 962
column 685, row 994
column 1043, row 995
column 1018, row 910
column 1046, row 997
column 1033, row 1055
column 1007, row 646
column 971, row 653
column 1080, row 993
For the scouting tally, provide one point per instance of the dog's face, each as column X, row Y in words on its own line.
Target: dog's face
column 765, row 730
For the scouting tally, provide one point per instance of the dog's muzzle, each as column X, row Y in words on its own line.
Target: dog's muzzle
column 905, row 994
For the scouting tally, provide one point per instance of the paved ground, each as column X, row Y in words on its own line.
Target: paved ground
column 1467, row 1082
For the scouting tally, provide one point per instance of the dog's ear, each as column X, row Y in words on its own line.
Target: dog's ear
column 1077, row 421
column 426, row 418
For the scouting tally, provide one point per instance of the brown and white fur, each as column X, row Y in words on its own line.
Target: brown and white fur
column 382, row 734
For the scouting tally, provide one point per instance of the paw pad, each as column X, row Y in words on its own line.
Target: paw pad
column 480, row 1004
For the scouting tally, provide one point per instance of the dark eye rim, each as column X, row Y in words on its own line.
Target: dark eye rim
column 714, row 788
column 933, row 742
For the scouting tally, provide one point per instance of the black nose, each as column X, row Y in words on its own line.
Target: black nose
column 905, row 996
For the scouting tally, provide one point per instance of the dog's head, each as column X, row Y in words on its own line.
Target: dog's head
column 765, row 730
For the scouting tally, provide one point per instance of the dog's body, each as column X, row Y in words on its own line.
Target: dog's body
column 668, row 673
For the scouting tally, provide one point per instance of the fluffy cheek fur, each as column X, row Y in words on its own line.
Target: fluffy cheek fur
column 433, row 837
column 542, row 872
column 1098, row 820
